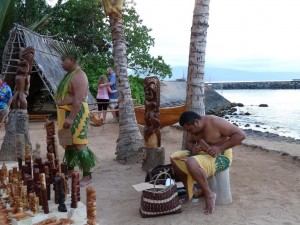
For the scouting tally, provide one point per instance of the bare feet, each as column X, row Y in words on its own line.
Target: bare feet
column 86, row 180
column 210, row 202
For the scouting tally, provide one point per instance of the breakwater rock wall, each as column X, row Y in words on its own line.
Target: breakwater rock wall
column 256, row 85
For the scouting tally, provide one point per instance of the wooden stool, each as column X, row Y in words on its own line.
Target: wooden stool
column 220, row 184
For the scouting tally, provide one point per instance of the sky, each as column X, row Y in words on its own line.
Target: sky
column 250, row 35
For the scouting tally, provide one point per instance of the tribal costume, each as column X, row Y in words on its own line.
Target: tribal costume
column 84, row 158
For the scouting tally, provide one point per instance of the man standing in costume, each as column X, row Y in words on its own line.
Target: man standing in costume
column 209, row 142
column 73, row 114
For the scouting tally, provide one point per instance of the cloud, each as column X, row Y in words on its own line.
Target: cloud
column 248, row 34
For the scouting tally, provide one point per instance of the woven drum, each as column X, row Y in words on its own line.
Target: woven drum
column 158, row 202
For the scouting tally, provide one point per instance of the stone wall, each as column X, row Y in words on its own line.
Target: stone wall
column 256, row 85
column 173, row 93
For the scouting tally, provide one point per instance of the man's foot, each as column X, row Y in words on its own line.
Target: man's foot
column 86, row 180
column 210, row 202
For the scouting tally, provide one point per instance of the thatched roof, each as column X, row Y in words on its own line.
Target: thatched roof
column 46, row 72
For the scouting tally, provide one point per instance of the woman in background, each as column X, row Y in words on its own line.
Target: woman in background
column 102, row 95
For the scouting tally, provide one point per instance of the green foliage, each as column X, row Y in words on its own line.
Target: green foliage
column 137, row 89
column 84, row 22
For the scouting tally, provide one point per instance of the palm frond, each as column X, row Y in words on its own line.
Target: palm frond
column 40, row 23
column 65, row 49
column 4, row 6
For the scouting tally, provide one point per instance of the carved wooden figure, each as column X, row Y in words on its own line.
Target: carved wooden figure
column 61, row 194
column 153, row 153
column 18, row 203
column 22, row 79
column 30, row 186
column 43, row 193
column 37, row 204
column 25, row 197
column 48, row 182
column 55, row 188
column 34, row 203
column 27, row 153
column 25, row 171
column 37, row 151
column 74, row 191
column 64, row 170
column 20, row 163
column 91, row 205
column 152, row 134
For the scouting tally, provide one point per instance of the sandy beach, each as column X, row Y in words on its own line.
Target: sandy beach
column 265, row 181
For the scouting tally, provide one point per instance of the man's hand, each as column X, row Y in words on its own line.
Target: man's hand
column 196, row 149
column 68, row 123
column 214, row 151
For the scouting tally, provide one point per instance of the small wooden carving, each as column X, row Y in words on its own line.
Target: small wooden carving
column 37, row 151
column 18, row 204
column 19, row 163
column 43, row 193
column 33, row 201
column 25, row 197
column 75, row 187
column 61, row 194
column 91, row 205
column 30, row 186
column 27, row 153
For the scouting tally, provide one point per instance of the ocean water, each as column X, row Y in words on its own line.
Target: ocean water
column 282, row 116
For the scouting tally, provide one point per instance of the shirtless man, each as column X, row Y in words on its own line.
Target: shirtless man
column 73, row 114
column 209, row 142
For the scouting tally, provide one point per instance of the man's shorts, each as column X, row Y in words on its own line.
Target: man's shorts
column 113, row 103
column 3, row 114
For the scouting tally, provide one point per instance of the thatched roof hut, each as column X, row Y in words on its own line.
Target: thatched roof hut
column 46, row 72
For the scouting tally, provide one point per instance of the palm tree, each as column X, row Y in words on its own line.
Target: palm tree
column 195, row 78
column 130, row 140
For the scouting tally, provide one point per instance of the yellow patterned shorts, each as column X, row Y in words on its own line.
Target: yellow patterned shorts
column 209, row 164
column 80, row 125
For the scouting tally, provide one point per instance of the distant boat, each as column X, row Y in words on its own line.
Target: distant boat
column 167, row 115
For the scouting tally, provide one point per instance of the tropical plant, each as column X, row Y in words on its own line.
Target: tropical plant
column 130, row 140
column 4, row 5
column 195, row 78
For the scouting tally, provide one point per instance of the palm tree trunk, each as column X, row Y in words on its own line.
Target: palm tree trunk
column 130, row 140
column 195, row 79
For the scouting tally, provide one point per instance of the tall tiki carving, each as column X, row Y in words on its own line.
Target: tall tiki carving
column 152, row 136
column 153, row 153
column 17, row 132
column 23, row 78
